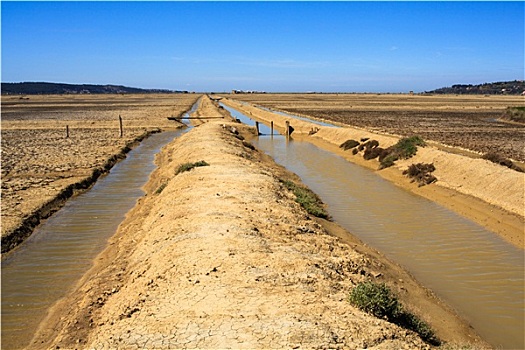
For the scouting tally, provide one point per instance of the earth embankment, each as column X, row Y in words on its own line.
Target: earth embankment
column 222, row 256
column 487, row 193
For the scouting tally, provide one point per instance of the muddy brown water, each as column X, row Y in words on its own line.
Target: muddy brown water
column 62, row 249
column 471, row 268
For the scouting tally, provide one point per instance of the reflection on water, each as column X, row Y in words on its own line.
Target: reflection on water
column 42, row 269
column 475, row 271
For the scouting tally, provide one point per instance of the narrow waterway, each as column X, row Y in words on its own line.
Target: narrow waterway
column 472, row 269
column 62, row 249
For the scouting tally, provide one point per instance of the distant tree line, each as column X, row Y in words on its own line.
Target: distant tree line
column 516, row 87
column 42, row 88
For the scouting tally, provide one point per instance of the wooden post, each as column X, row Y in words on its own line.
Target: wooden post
column 271, row 126
column 257, row 128
column 120, row 123
column 67, row 131
column 287, row 131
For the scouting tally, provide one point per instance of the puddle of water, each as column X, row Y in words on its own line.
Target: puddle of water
column 62, row 249
column 475, row 271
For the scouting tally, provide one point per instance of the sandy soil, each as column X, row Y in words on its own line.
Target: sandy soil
column 487, row 193
column 41, row 168
column 223, row 257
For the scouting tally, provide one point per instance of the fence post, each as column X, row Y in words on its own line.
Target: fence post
column 287, row 129
column 120, row 124
column 271, row 126
column 67, row 131
column 257, row 128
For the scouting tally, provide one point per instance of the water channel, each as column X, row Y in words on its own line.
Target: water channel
column 472, row 269
column 468, row 266
column 62, row 248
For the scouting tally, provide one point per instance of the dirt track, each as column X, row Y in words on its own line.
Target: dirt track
column 223, row 257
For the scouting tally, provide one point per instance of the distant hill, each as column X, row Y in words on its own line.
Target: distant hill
column 42, row 88
column 516, row 87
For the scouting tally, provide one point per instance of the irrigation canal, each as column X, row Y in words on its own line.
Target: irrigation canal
column 469, row 267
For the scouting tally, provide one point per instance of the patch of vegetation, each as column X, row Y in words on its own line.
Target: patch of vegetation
column 372, row 153
column 515, row 114
column 421, row 172
column 368, row 145
column 515, row 87
column 34, row 88
column 188, row 166
column 161, row 188
column 387, row 161
column 499, row 159
column 403, row 149
column 407, row 146
column 307, row 199
column 378, row 300
column 349, row 144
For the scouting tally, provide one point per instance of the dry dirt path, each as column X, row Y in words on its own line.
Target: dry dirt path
column 222, row 256
column 487, row 193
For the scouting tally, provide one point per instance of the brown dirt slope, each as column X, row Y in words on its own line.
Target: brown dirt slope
column 485, row 192
column 222, row 256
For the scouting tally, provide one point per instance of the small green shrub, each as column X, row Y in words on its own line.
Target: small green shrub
column 403, row 149
column 388, row 161
column 307, row 199
column 515, row 114
column 188, row 166
column 378, row 300
column 407, row 146
column 349, row 144
column 161, row 188
column 375, row 299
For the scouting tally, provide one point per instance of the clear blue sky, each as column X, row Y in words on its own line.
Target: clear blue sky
column 271, row 46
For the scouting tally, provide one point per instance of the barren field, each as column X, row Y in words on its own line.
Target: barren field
column 41, row 167
column 468, row 122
